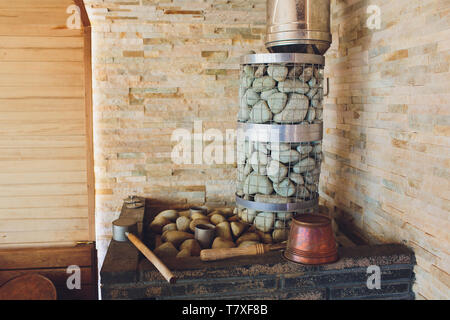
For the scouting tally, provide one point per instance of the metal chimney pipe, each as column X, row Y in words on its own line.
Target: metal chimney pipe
column 298, row 26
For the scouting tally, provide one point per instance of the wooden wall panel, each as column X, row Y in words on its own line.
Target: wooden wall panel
column 46, row 187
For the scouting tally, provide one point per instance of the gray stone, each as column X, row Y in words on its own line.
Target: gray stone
column 304, row 149
column 307, row 74
column 264, row 221
column 303, row 88
column 271, row 198
column 295, row 72
column 244, row 113
column 276, row 171
column 318, row 159
column 315, row 102
column 317, row 99
column 290, row 85
column 317, row 148
column 251, row 97
column 280, row 224
column 249, row 70
column 295, row 110
column 248, row 215
column 247, row 169
column 240, row 172
column 311, row 115
column 244, row 150
column 285, row 188
column 263, row 84
column 302, row 192
column 280, row 235
column 278, row 73
column 261, row 147
column 240, row 154
column 241, row 91
column 247, row 81
column 297, row 178
column 287, row 156
column 260, row 113
column 266, row 94
column 305, row 165
column 311, row 93
column 260, row 71
column 277, row 102
column 313, row 176
column 284, row 216
column 259, row 161
column 255, row 183
column 319, row 114
column 243, row 100
column 279, row 146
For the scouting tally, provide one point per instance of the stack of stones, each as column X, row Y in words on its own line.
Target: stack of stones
column 281, row 94
column 278, row 172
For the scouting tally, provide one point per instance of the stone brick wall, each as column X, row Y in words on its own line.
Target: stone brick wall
column 386, row 169
column 161, row 65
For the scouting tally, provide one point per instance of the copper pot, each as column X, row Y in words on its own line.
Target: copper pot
column 311, row 240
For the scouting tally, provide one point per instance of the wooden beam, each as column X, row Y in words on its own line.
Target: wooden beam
column 84, row 16
column 89, row 117
column 45, row 258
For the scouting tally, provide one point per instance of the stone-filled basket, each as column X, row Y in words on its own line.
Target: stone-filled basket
column 279, row 149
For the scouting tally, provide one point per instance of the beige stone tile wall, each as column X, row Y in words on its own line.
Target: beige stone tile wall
column 387, row 130
column 161, row 65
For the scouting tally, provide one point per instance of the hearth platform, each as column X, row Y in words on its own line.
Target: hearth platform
column 128, row 275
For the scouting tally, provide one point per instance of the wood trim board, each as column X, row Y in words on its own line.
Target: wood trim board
column 46, row 125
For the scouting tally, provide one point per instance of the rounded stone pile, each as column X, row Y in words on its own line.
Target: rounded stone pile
column 278, row 172
column 272, row 174
column 174, row 230
column 281, row 93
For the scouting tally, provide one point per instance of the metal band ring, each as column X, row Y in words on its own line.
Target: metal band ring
column 281, row 133
column 277, row 207
column 285, row 33
column 263, row 58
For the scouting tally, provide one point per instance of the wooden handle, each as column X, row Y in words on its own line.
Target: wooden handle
column 165, row 272
column 226, row 253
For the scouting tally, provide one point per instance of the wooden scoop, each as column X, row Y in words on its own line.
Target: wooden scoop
column 226, row 253
column 122, row 231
